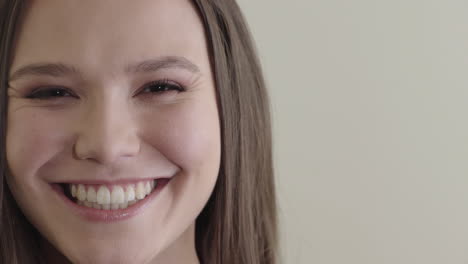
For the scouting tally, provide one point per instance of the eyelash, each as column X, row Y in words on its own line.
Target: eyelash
column 163, row 86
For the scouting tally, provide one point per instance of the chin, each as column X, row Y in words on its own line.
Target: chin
column 106, row 252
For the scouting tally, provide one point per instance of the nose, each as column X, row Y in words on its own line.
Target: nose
column 106, row 134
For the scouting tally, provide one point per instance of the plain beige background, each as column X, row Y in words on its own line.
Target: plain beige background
column 370, row 104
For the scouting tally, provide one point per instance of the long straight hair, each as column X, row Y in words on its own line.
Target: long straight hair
column 238, row 225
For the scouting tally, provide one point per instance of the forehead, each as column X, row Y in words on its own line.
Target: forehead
column 98, row 34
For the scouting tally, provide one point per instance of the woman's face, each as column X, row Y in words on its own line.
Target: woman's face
column 107, row 99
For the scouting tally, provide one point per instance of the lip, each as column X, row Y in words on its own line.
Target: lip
column 118, row 182
column 98, row 215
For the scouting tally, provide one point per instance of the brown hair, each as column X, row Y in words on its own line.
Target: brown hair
column 239, row 222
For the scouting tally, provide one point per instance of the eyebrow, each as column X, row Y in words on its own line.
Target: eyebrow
column 146, row 66
column 162, row 63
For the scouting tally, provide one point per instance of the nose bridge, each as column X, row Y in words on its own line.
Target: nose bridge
column 106, row 131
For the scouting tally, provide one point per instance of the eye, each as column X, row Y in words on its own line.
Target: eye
column 49, row 94
column 161, row 86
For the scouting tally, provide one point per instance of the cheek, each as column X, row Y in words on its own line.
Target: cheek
column 33, row 137
column 189, row 136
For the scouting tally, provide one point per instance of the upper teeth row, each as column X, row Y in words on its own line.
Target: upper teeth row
column 119, row 195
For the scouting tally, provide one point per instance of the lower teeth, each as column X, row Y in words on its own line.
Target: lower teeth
column 106, row 206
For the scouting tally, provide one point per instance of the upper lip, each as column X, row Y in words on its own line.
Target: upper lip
column 113, row 182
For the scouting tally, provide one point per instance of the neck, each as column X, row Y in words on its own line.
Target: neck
column 50, row 254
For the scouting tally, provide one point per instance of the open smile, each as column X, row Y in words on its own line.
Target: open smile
column 109, row 202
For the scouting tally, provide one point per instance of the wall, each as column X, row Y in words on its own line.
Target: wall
column 370, row 104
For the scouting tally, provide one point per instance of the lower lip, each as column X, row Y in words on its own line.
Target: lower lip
column 98, row 215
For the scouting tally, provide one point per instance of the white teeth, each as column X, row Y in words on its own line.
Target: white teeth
column 120, row 197
column 103, row 196
column 130, row 193
column 117, row 197
column 81, row 192
column 140, row 191
column 73, row 190
column 91, row 195
column 123, row 205
column 147, row 188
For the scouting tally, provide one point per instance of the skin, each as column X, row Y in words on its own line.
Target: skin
column 109, row 128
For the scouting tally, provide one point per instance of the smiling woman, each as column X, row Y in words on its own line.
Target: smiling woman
column 133, row 132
